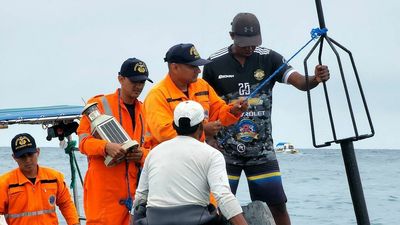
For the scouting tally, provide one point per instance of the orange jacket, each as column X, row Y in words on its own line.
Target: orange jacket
column 24, row 203
column 105, row 187
column 162, row 99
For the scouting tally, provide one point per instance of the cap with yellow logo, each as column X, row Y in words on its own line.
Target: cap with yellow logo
column 22, row 144
column 135, row 69
column 185, row 54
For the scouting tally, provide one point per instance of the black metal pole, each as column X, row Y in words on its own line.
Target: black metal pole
column 354, row 180
column 320, row 14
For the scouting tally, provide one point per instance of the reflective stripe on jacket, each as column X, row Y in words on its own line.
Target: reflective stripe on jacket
column 24, row 203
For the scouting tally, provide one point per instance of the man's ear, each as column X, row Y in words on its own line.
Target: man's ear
column 38, row 151
column 120, row 78
column 173, row 66
column 232, row 35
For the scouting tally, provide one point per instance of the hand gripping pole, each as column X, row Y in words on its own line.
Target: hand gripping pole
column 346, row 143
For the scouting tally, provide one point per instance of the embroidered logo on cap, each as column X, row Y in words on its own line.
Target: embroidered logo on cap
column 194, row 52
column 251, row 29
column 22, row 142
column 140, row 67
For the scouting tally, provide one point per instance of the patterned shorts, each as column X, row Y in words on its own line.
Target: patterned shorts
column 264, row 180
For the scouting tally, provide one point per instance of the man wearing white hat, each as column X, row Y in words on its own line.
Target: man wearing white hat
column 180, row 173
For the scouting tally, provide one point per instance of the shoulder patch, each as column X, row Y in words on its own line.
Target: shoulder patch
column 52, row 200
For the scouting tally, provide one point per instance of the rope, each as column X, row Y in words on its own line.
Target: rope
column 128, row 202
column 316, row 32
column 69, row 150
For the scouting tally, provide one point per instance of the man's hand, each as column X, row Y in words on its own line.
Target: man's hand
column 115, row 150
column 239, row 107
column 213, row 142
column 321, row 73
column 212, row 128
column 135, row 156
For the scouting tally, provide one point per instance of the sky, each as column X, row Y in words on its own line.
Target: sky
column 60, row 52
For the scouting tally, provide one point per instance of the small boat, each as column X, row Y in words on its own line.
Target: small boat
column 286, row 147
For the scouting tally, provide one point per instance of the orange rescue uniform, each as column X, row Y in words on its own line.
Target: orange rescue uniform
column 25, row 203
column 105, row 188
column 162, row 99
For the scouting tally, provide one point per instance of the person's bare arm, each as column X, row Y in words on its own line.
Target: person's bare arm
column 299, row 81
column 238, row 220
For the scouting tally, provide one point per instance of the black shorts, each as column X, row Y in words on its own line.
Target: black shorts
column 264, row 180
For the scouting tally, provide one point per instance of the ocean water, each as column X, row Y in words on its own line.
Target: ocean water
column 314, row 180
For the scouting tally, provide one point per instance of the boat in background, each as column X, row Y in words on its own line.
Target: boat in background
column 286, row 147
column 60, row 121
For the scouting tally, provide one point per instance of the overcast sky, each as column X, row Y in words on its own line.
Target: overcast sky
column 58, row 52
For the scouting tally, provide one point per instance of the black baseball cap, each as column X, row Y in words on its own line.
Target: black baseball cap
column 135, row 69
column 246, row 30
column 185, row 54
column 22, row 144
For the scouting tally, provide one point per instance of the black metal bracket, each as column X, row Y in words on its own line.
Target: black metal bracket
column 332, row 43
column 346, row 143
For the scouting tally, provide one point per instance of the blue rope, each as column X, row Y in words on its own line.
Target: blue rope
column 316, row 32
column 128, row 202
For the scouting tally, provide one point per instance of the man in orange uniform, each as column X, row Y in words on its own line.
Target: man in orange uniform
column 29, row 194
column 108, row 190
column 181, row 84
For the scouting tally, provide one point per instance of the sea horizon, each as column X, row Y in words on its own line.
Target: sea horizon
column 314, row 180
column 300, row 148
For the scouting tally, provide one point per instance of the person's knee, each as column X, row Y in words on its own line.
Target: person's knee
column 278, row 208
column 280, row 214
